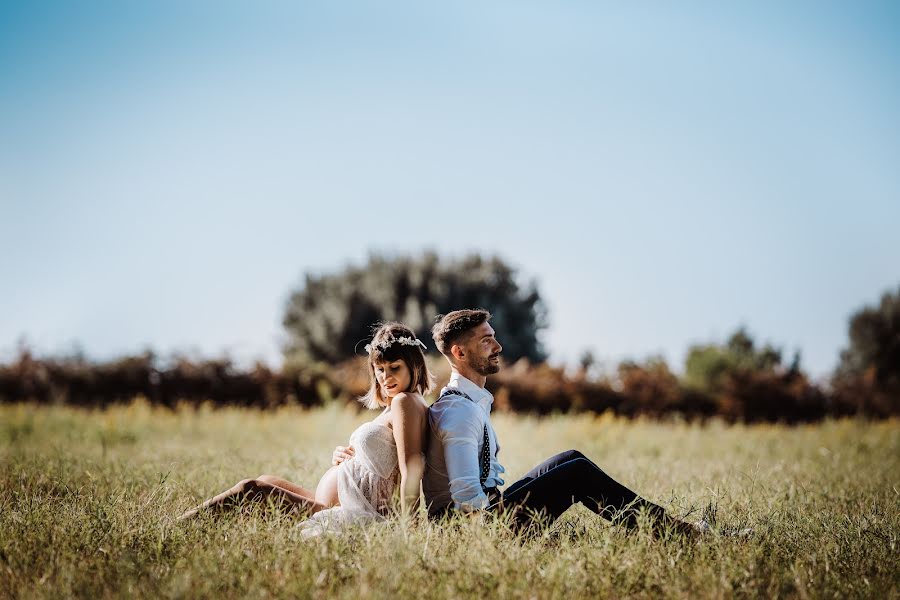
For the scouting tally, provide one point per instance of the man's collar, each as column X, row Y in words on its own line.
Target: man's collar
column 465, row 385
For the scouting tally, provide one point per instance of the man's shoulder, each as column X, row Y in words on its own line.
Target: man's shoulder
column 454, row 392
column 454, row 402
column 451, row 408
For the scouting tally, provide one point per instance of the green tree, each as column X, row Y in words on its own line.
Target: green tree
column 873, row 354
column 707, row 365
column 741, row 381
column 329, row 317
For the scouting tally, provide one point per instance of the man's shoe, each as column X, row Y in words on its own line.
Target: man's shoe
column 703, row 527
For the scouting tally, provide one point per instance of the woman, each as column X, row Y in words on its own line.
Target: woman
column 383, row 453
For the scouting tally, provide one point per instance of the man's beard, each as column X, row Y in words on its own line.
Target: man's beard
column 485, row 367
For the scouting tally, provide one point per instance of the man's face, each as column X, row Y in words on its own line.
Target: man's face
column 482, row 350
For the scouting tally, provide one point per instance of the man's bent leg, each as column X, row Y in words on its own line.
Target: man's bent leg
column 546, row 466
column 556, row 487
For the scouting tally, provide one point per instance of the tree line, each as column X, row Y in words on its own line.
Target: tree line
column 329, row 316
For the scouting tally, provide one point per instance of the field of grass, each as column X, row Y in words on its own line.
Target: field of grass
column 88, row 502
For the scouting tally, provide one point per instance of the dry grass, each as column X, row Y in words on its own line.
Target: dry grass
column 88, row 502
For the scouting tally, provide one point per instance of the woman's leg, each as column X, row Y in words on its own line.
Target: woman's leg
column 256, row 489
column 286, row 485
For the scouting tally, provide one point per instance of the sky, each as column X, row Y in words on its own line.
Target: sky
column 665, row 172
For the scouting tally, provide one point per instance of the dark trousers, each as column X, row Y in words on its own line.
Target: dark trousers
column 546, row 491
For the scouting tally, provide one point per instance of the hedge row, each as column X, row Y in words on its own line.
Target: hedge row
column 636, row 390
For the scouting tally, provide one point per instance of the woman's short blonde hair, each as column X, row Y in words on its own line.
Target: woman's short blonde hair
column 386, row 347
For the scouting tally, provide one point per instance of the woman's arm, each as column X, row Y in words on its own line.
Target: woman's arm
column 408, row 421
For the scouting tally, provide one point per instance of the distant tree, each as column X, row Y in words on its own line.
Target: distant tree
column 329, row 317
column 875, row 342
column 586, row 363
column 707, row 365
column 870, row 366
column 748, row 383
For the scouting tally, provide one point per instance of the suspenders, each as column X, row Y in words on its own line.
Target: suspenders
column 484, row 458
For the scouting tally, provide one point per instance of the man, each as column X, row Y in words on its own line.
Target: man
column 462, row 471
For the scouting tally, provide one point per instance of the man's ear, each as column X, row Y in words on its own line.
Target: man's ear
column 457, row 352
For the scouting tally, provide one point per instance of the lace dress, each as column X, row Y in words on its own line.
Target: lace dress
column 366, row 482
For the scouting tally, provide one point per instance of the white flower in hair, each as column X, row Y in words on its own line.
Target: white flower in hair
column 390, row 341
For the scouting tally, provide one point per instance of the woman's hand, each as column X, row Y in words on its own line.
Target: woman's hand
column 342, row 453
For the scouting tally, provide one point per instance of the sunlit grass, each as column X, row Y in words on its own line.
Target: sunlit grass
column 88, row 502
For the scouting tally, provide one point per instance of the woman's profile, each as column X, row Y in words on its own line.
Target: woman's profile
column 384, row 453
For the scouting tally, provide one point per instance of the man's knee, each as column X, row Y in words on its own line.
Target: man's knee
column 569, row 473
column 581, row 471
column 571, row 455
column 584, row 464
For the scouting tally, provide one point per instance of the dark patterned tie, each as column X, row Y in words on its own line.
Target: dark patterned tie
column 485, row 458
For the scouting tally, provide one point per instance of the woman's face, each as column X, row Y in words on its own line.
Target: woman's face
column 393, row 377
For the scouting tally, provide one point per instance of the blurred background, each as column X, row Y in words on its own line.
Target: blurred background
column 670, row 209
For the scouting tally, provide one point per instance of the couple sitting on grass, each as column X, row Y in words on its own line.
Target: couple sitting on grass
column 450, row 448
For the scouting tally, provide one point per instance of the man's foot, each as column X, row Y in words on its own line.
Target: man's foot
column 705, row 528
column 737, row 532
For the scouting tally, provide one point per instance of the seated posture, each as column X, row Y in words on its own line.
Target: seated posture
column 462, row 471
column 382, row 454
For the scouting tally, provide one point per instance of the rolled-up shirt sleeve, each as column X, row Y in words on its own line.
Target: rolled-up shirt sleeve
column 461, row 427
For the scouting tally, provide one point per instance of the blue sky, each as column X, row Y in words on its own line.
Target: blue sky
column 665, row 171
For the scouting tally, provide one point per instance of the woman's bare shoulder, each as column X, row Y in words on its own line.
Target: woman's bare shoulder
column 408, row 402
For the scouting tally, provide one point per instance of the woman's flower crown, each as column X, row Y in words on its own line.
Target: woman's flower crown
column 390, row 341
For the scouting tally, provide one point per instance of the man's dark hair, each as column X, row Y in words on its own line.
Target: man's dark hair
column 456, row 327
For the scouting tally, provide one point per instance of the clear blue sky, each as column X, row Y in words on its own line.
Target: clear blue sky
column 665, row 171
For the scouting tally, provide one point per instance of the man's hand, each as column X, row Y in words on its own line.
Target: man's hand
column 342, row 453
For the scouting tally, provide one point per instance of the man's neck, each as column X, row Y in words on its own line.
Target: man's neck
column 470, row 374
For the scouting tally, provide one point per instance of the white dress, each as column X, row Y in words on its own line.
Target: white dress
column 366, row 482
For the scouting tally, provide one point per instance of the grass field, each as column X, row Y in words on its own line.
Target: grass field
column 88, row 502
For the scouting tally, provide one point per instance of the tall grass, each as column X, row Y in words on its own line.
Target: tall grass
column 88, row 501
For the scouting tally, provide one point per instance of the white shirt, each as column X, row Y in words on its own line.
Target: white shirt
column 455, row 437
